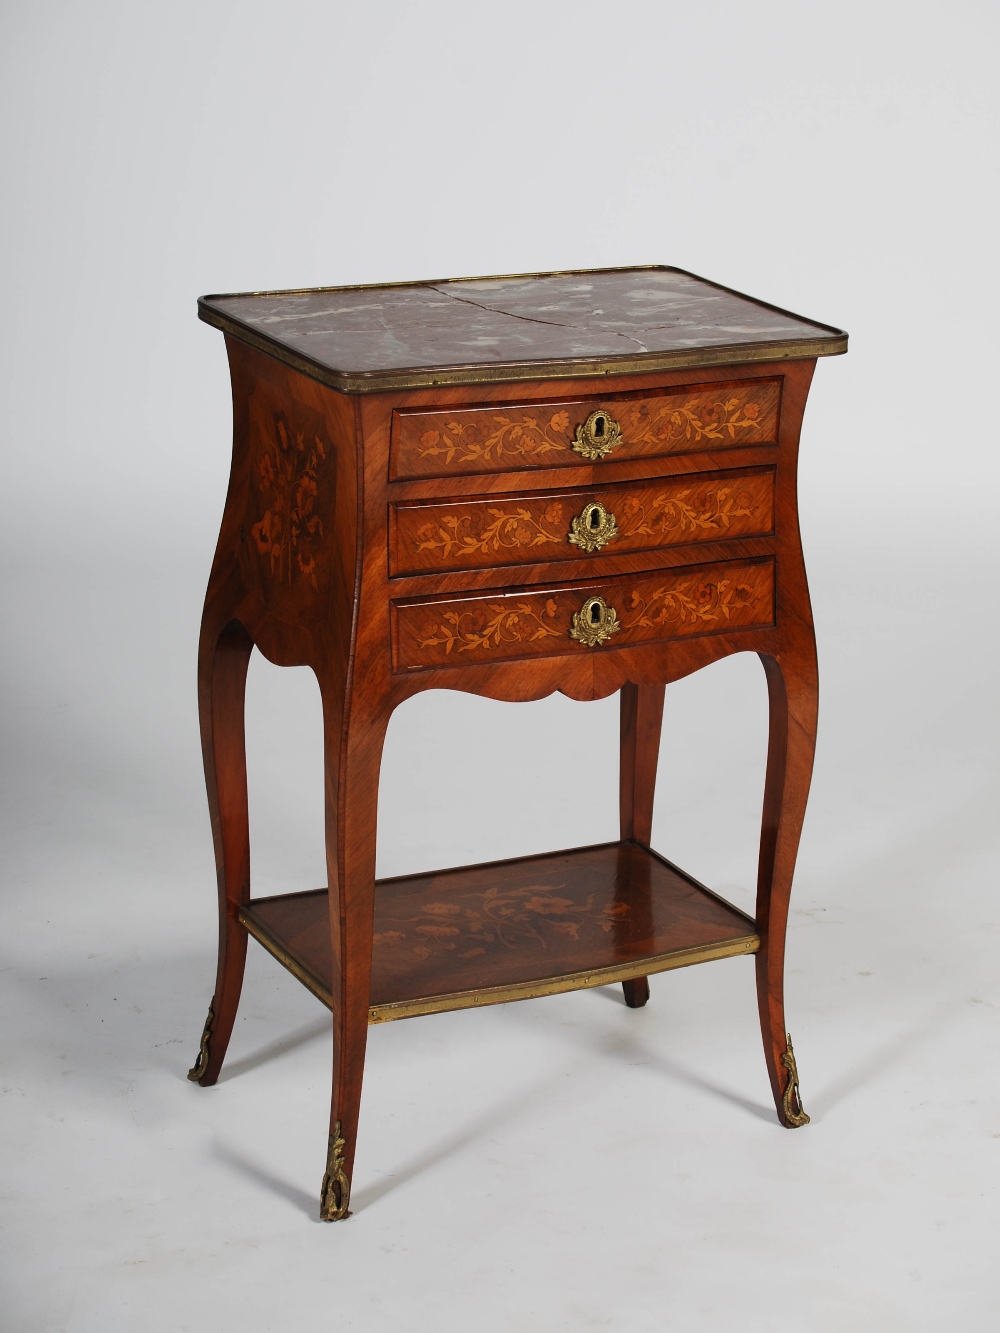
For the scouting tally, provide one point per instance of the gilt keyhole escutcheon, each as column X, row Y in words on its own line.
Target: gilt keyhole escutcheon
column 593, row 528
column 598, row 435
column 594, row 623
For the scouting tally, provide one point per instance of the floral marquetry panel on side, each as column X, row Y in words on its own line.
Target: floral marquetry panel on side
column 671, row 604
column 286, row 545
column 542, row 435
column 525, row 529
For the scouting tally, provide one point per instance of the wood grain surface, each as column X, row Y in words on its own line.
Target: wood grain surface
column 513, row 437
column 535, row 526
column 651, row 608
column 511, row 923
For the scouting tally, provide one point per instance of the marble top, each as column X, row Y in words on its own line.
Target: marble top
column 473, row 330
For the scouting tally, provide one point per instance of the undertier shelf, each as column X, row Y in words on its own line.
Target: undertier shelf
column 510, row 930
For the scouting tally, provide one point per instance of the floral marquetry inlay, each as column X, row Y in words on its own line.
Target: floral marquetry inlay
column 507, row 624
column 540, row 917
column 700, row 511
column 475, row 534
column 707, row 603
column 706, row 599
column 490, row 439
column 533, row 917
column 286, row 537
column 452, row 539
column 489, row 444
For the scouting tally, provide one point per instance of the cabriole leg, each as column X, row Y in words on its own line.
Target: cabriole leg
column 353, row 760
column 641, row 722
column 793, row 700
column 222, row 673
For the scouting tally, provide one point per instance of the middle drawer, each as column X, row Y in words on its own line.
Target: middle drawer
column 432, row 537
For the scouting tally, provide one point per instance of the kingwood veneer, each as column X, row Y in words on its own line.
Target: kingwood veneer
column 582, row 482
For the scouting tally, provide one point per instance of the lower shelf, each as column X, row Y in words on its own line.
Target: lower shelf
column 510, row 930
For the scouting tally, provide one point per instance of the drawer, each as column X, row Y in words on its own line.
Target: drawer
column 580, row 432
column 583, row 617
column 432, row 538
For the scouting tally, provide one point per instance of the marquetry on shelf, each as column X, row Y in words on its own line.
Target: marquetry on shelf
column 510, row 930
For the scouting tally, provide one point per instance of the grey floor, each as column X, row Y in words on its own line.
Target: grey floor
column 558, row 1164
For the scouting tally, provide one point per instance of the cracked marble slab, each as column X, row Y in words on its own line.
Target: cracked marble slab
column 572, row 318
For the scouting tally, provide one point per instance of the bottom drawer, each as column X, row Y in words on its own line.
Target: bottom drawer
column 583, row 617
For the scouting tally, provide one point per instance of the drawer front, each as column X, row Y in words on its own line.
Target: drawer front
column 585, row 617
column 613, row 520
column 556, row 434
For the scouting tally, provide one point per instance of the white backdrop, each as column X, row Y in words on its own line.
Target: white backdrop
column 568, row 1164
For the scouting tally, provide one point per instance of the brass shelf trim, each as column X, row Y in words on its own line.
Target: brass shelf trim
column 526, row 990
column 274, row 947
column 598, row 976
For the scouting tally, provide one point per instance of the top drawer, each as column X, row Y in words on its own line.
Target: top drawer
column 579, row 432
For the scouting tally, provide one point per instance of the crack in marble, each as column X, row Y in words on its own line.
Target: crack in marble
column 641, row 346
column 614, row 318
column 548, row 323
column 493, row 310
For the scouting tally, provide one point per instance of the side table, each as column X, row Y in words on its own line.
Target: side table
column 582, row 482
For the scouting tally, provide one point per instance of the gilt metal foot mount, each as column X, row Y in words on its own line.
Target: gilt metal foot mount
column 197, row 1070
column 335, row 1196
column 791, row 1101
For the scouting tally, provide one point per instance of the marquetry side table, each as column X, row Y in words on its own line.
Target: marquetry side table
column 582, row 482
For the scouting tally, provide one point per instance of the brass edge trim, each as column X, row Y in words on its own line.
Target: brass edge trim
column 264, row 937
column 544, row 273
column 363, row 382
column 598, row 976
